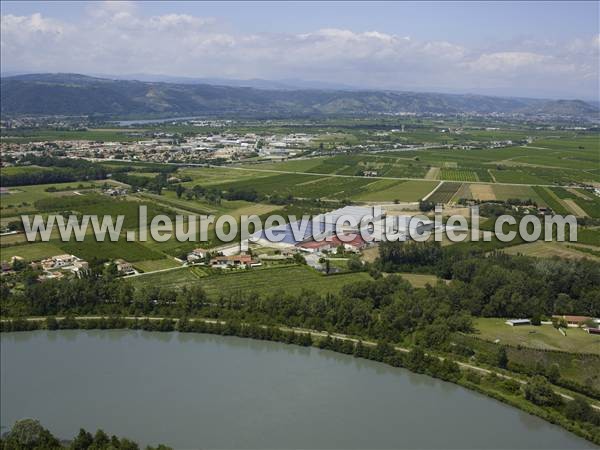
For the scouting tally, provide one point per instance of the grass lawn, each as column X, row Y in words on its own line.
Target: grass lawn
column 418, row 280
column 544, row 337
column 156, row 264
column 263, row 281
column 31, row 252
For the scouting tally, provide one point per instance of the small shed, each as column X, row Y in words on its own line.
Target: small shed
column 518, row 322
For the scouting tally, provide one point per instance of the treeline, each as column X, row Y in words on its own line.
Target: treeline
column 499, row 285
column 29, row 434
column 63, row 170
column 127, row 174
column 385, row 308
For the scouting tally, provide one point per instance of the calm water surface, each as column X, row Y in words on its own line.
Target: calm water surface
column 193, row 390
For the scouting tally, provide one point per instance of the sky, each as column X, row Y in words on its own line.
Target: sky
column 530, row 49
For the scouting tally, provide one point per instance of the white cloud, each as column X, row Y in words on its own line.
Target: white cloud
column 115, row 39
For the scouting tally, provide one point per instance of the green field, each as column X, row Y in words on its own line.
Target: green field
column 156, row 264
column 458, row 175
column 418, row 280
column 291, row 279
column 544, row 337
column 21, row 199
column 589, row 236
column 31, row 252
column 90, row 249
column 104, row 135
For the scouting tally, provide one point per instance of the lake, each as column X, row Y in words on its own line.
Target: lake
column 195, row 390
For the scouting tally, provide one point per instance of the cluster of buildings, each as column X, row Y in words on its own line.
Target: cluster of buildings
column 589, row 324
column 58, row 266
column 314, row 237
column 318, row 232
column 169, row 148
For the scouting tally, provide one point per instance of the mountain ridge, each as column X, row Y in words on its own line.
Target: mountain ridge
column 75, row 94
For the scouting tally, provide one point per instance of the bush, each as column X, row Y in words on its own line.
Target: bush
column 539, row 392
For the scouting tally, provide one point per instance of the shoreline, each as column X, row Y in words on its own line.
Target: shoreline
column 436, row 366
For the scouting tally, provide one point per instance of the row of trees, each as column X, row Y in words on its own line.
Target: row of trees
column 29, row 434
column 63, row 170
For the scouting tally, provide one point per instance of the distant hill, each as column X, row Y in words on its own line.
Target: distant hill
column 73, row 94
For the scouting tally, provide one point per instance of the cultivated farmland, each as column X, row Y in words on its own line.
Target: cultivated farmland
column 292, row 279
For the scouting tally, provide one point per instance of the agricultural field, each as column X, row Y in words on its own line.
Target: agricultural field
column 103, row 135
column 524, row 193
column 90, row 249
column 31, row 252
column 551, row 200
column 541, row 249
column 589, row 236
column 21, row 199
column 491, row 192
column 292, row 279
column 517, row 176
column 458, row 175
column 445, row 193
column 544, row 337
column 97, row 204
column 319, row 186
column 389, row 190
column 205, row 176
column 581, row 203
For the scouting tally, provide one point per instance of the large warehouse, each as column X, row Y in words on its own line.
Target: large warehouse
column 355, row 218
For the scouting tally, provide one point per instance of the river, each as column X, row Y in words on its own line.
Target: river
column 194, row 390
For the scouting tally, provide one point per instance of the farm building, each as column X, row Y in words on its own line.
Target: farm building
column 574, row 321
column 224, row 262
column 331, row 243
column 518, row 322
column 197, row 254
column 124, row 267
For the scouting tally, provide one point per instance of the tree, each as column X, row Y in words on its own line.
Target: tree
column 179, row 190
column 578, row 409
column 502, row 358
column 83, row 440
column 539, row 392
column 354, row 264
column 30, row 434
